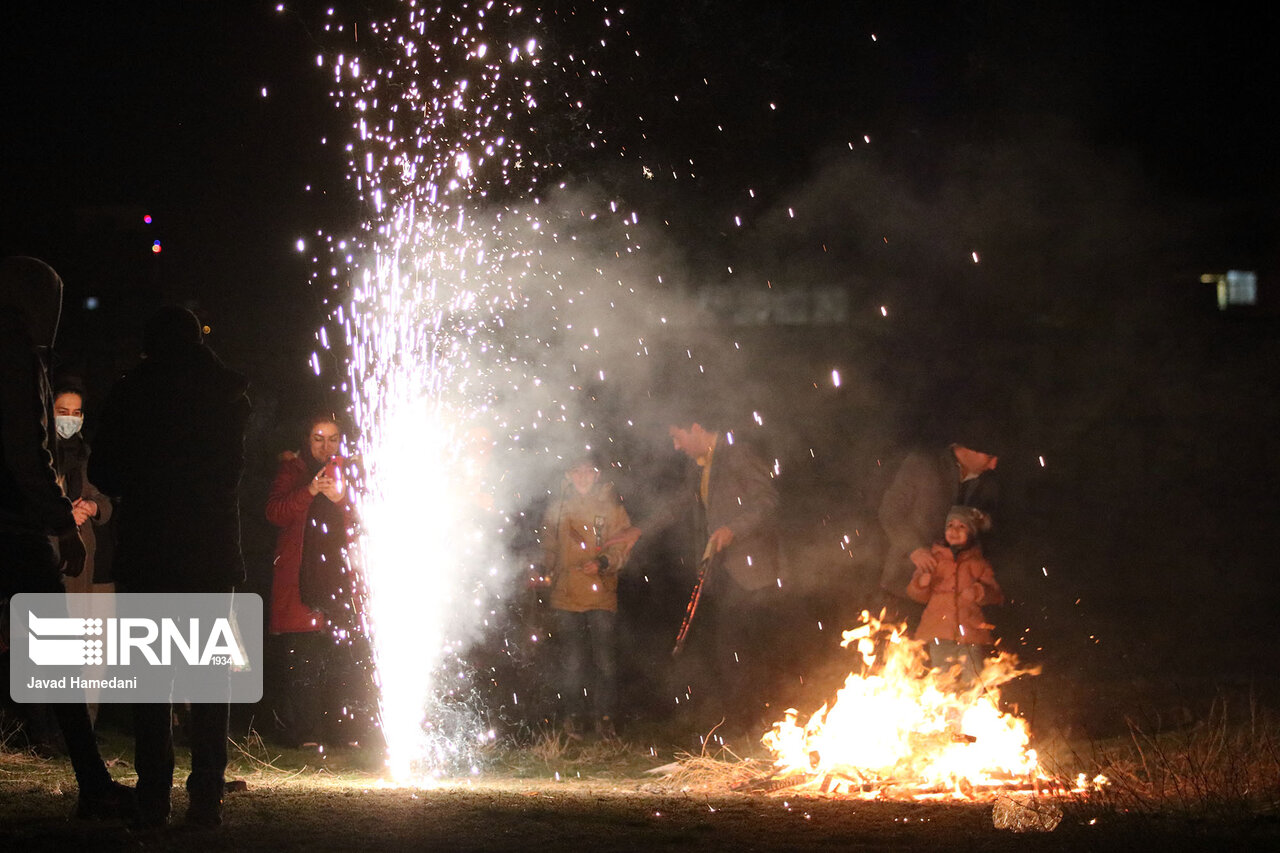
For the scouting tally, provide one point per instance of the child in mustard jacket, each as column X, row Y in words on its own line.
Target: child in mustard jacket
column 582, row 556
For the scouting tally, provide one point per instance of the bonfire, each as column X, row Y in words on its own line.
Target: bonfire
column 899, row 729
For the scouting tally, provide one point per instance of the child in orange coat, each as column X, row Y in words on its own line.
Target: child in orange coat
column 953, row 592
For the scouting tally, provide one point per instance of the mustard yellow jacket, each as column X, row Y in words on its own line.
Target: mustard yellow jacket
column 575, row 531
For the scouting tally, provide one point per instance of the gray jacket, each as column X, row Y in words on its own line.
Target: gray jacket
column 741, row 496
column 914, row 509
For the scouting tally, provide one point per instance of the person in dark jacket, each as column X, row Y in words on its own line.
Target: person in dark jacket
column 914, row 507
column 32, row 506
column 170, row 446
column 90, row 506
column 730, row 492
column 92, row 510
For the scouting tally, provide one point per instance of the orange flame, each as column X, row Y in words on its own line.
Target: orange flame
column 898, row 724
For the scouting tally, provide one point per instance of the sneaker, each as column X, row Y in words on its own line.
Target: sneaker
column 204, row 813
column 153, row 809
column 115, row 801
column 605, row 729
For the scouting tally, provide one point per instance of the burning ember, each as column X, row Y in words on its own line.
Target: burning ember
column 899, row 729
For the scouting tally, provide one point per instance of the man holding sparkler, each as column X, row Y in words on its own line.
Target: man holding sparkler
column 731, row 493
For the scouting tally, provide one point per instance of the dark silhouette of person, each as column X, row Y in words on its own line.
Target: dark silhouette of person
column 33, row 511
column 730, row 496
column 170, row 446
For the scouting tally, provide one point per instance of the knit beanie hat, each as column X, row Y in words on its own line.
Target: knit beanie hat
column 980, row 433
column 973, row 518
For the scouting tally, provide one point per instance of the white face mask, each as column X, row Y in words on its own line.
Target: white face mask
column 67, row 425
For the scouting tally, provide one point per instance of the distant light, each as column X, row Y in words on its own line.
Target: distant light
column 146, row 218
column 975, row 257
column 155, row 247
column 835, row 378
column 206, row 329
column 884, row 311
column 301, row 245
column 1237, row 287
column 91, row 303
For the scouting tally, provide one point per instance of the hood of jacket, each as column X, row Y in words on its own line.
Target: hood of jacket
column 32, row 290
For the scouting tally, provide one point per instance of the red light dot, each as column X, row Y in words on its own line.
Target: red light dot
column 147, row 218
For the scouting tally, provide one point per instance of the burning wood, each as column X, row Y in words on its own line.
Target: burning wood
column 897, row 729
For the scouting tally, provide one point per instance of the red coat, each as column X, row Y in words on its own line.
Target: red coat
column 287, row 507
column 953, row 595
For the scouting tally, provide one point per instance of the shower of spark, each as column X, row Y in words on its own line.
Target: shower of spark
column 442, row 101
column 461, row 313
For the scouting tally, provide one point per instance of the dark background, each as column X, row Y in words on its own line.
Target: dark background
column 1099, row 157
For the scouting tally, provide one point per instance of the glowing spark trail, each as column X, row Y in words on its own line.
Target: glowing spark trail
column 461, row 313
column 440, row 101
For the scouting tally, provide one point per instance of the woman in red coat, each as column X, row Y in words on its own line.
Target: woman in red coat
column 310, row 504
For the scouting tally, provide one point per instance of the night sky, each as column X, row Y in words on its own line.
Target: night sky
column 160, row 109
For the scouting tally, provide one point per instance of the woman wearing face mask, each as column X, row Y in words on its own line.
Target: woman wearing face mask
column 91, row 508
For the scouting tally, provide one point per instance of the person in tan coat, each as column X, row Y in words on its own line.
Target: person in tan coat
column 953, row 593
column 582, row 556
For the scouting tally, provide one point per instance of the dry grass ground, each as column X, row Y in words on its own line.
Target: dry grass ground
column 557, row 796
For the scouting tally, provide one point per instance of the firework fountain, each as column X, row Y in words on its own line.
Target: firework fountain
column 461, row 314
column 453, row 260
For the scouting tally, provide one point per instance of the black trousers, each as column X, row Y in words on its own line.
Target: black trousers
column 320, row 689
column 153, row 753
column 27, row 564
column 731, row 659
column 153, row 746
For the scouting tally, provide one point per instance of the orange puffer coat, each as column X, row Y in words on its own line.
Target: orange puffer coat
column 953, row 595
